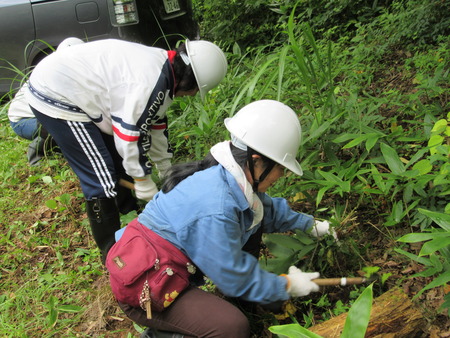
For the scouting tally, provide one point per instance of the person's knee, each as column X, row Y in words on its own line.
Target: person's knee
column 236, row 325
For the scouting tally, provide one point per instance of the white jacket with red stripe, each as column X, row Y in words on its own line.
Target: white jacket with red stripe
column 124, row 88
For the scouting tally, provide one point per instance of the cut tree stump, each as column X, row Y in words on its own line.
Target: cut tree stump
column 393, row 315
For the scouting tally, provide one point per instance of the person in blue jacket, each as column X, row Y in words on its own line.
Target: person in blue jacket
column 212, row 209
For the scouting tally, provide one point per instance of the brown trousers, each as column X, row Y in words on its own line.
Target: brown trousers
column 196, row 313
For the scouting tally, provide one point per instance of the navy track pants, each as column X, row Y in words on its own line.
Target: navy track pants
column 91, row 154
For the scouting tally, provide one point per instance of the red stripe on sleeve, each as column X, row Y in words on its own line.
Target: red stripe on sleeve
column 125, row 137
column 159, row 126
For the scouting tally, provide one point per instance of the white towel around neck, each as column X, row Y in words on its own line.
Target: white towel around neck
column 222, row 153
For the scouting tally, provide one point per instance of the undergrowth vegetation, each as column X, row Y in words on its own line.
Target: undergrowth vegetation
column 373, row 100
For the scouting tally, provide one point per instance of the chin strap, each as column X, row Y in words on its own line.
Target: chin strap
column 270, row 165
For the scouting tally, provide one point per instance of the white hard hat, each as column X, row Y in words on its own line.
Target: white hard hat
column 208, row 63
column 69, row 42
column 271, row 128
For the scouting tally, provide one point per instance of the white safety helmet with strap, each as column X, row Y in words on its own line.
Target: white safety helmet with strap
column 69, row 42
column 208, row 63
column 271, row 128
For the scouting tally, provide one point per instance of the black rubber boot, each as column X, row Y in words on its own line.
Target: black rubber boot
column 104, row 219
column 152, row 333
column 36, row 151
column 40, row 147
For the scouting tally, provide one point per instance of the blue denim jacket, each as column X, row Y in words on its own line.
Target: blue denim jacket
column 207, row 217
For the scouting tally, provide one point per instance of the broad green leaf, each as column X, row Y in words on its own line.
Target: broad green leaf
column 359, row 315
column 421, row 237
column 284, row 241
column 293, row 331
column 442, row 180
column 431, row 271
column 320, row 194
column 392, row 159
column 397, row 211
column 446, row 304
column 127, row 218
column 436, row 261
column 304, row 251
column 278, row 265
column 417, row 156
column 316, row 133
column 439, row 126
column 65, row 198
column 330, row 177
column 51, row 204
column 435, row 245
column 345, row 137
column 370, row 270
column 371, row 141
column 423, row 166
column 441, row 219
column 378, row 179
column 237, row 49
column 47, row 179
column 277, row 250
column 435, row 140
column 408, row 192
column 421, row 260
column 385, row 276
column 300, row 236
column 438, row 281
column 355, row 142
column 52, row 311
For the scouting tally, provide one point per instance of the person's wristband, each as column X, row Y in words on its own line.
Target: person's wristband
column 288, row 284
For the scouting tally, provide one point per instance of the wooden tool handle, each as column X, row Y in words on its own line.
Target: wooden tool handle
column 126, row 184
column 339, row 281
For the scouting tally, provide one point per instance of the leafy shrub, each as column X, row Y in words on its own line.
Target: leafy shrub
column 417, row 21
column 243, row 22
column 355, row 325
column 437, row 247
column 252, row 23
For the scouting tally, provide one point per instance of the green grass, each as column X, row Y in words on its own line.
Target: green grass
column 49, row 263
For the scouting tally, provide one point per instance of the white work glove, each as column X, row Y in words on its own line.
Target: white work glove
column 321, row 228
column 163, row 168
column 145, row 188
column 299, row 283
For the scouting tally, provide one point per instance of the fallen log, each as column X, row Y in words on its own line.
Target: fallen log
column 393, row 315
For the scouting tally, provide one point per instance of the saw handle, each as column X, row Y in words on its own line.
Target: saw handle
column 126, row 184
column 339, row 281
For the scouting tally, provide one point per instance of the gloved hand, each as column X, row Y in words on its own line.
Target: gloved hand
column 300, row 282
column 163, row 168
column 145, row 188
column 321, row 228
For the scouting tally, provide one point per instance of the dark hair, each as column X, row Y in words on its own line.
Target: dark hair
column 184, row 75
column 179, row 172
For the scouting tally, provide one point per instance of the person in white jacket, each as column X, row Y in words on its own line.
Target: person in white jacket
column 105, row 102
column 24, row 123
